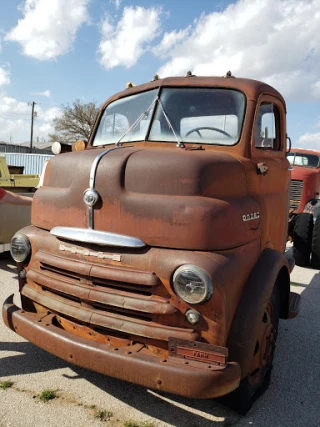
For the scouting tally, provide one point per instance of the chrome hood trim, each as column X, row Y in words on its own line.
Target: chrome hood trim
column 92, row 181
column 95, row 237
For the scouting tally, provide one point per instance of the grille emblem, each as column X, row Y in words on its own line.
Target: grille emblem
column 86, row 252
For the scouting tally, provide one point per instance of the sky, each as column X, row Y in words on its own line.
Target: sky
column 53, row 52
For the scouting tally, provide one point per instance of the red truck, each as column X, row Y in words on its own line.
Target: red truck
column 304, row 225
column 157, row 254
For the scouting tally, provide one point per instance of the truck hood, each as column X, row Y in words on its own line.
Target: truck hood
column 301, row 173
column 174, row 198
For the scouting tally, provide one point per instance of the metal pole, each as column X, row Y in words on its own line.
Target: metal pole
column 32, row 117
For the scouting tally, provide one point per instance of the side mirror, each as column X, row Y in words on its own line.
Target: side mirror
column 288, row 139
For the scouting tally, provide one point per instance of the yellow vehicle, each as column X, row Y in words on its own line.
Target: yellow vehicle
column 14, row 217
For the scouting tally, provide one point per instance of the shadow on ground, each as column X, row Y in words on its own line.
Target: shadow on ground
column 7, row 263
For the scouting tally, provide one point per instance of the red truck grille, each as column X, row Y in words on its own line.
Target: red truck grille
column 105, row 298
column 295, row 193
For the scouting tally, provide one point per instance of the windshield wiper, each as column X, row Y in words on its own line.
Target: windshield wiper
column 179, row 143
column 144, row 115
column 135, row 124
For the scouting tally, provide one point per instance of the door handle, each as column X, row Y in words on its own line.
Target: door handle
column 262, row 168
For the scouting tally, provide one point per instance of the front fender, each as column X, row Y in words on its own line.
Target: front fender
column 272, row 267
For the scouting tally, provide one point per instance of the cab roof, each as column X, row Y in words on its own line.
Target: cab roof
column 305, row 151
column 251, row 88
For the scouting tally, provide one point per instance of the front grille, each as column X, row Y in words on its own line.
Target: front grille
column 295, row 193
column 105, row 297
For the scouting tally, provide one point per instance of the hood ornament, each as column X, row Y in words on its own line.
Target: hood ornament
column 90, row 197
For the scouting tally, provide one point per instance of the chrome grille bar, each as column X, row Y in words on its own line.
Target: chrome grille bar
column 295, row 193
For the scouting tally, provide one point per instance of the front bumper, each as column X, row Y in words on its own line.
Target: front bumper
column 172, row 375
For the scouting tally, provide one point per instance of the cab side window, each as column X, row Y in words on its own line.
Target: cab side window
column 267, row 130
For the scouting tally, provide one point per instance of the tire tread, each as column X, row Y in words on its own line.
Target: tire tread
column 315, row 248
column 302, row 239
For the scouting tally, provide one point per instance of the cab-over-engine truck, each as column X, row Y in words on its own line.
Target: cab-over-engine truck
column 157, row 254
column 304, row 224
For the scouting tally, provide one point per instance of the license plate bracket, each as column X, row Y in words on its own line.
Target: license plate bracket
column 198, row 351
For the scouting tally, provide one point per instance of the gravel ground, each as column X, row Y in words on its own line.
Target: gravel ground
column 83, row 397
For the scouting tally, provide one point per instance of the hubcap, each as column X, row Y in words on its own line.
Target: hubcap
column 264, row 347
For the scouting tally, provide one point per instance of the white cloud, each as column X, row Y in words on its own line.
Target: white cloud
column 48, row 28
column 11, row 106
column 270, row 40
column 169, row 40
column 316, row 89
column 49, row 114
column 309, row 140
column 15, row 120
column 4, row 76
column 124, row 43
column 46, row 93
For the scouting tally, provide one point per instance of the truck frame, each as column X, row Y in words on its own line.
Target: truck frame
column 157, row 254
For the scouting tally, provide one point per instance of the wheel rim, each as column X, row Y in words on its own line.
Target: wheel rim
column 264, row 348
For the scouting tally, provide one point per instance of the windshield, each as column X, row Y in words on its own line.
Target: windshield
column 303, row 159
column 184, row 115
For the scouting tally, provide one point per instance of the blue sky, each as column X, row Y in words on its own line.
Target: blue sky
column 55, row 51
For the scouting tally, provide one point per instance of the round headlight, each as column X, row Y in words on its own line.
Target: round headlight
column 192, row 284
column 20, row 247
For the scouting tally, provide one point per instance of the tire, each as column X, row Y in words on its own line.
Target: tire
column 315, row 247
column 258, row 379
column 302, row 238
column 291, row 225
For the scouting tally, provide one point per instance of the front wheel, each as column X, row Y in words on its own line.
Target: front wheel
column 258, row 379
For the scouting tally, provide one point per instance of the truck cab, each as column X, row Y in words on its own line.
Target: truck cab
column 157, row 254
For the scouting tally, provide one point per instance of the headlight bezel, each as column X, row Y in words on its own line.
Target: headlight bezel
column 25, row 245
column 194, row 271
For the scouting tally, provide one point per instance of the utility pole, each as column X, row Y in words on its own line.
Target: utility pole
column 32, row 117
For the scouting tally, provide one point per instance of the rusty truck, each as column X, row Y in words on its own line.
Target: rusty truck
column 304, row 224
column 157, row 254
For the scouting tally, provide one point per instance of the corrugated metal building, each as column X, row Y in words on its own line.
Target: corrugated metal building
column 33, row 163
column 40, row 148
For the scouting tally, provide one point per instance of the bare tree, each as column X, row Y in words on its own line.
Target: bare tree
column 75, row 123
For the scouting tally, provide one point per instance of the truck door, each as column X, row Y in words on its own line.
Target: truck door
column 272, row 181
